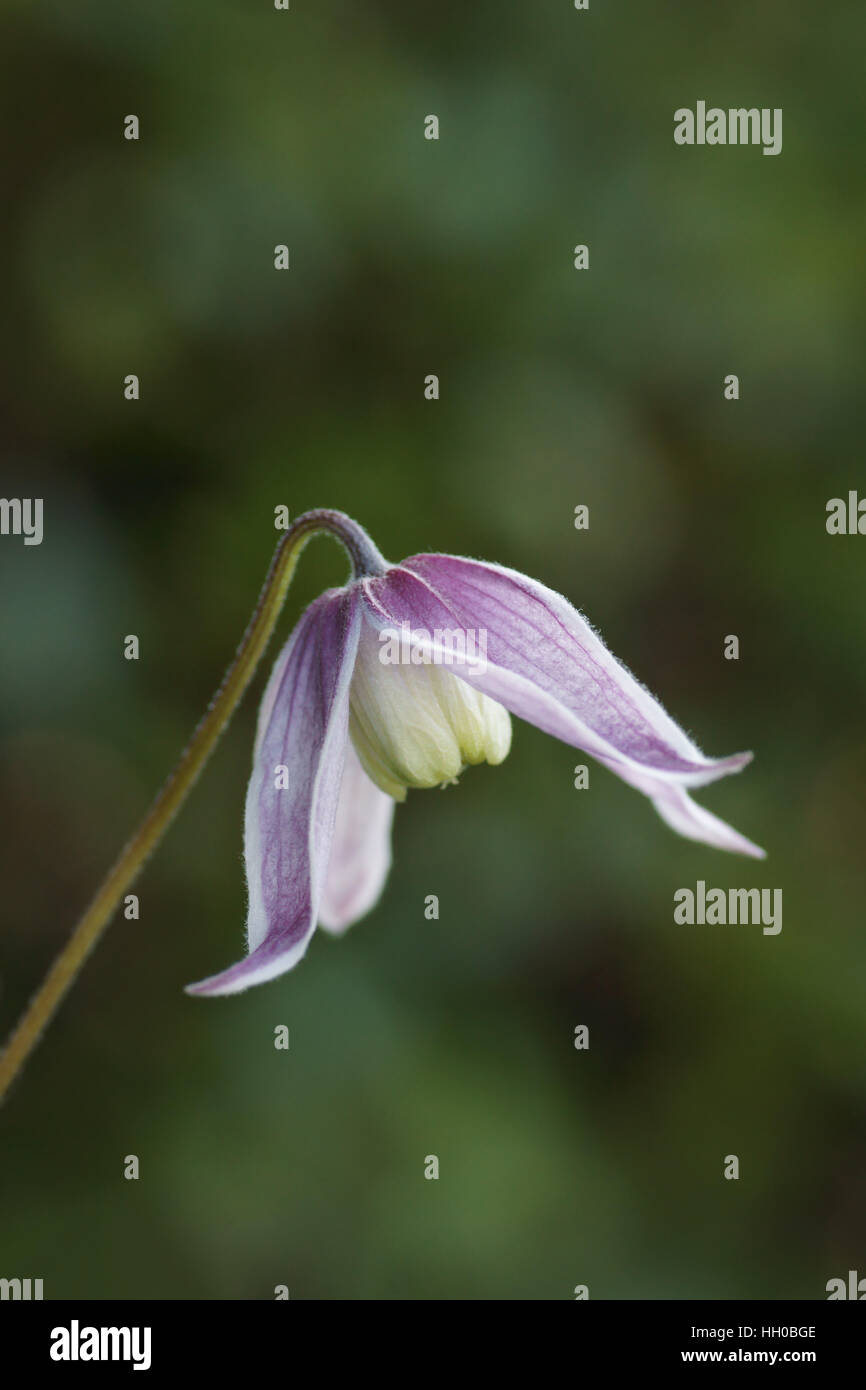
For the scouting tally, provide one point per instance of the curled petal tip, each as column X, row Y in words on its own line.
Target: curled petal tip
column 272, row 958
column 740, row 760
column 200, row 987
column 695, row 822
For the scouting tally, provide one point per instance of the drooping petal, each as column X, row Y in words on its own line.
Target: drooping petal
column 303, row 728
column 687, row 818
column 545, row 664
column 360, row 850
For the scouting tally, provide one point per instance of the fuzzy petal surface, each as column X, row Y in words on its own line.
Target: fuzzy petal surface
column 546, row 665
column 360, row 849
column 303, row 727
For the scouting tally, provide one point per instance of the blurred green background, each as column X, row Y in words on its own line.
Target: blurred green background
column 305, row 388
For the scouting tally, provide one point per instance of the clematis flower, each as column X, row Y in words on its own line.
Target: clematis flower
column 383, row 686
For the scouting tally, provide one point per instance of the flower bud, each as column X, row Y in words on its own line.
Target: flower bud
column 419, row 725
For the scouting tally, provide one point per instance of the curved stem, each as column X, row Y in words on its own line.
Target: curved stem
column 365, row 560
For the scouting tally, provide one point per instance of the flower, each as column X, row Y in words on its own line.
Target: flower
column 401, row 679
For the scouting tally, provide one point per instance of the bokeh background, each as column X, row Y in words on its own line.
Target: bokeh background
column 305, row 388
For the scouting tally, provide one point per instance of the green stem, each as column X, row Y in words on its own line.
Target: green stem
column 44, row 1004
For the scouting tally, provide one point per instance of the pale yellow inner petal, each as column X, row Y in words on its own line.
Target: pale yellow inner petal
column 419, row 725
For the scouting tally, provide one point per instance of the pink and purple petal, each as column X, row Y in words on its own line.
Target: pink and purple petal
column 303, row 728
column 360, row 850
column 546, row 665
column 687, row 818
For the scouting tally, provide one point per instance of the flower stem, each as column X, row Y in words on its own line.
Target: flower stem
column 42, row 1007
